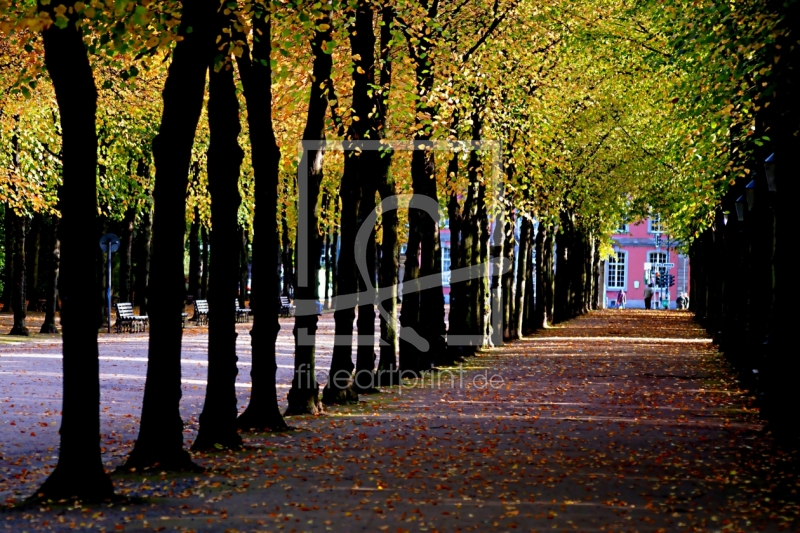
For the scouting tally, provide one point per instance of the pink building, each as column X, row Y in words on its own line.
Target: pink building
column 642, row 251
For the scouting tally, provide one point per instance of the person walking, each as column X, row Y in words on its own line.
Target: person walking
column 621, row 299
column 648, row 296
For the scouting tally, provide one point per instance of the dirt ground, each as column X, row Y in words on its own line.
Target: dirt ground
column 616, row 421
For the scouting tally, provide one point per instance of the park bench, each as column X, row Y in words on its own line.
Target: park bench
column 242, row 313
column 200, row 312
column 286, row 309
column 127, row 320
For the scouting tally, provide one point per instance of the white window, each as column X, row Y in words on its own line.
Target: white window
column 655, row 225
column 657, row 257
column 622, row 228
column 445, row 265
column 616, row 269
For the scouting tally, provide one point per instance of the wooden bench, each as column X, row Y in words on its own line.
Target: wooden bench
column 127, row 320
column 286, row 309
column 200, row 312
column 242, row 313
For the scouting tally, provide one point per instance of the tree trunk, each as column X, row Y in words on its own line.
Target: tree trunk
column 339, row 389
column 365, row 351
column 194, row 257
column 8, row 266
column 244, row 267
column 562, row 274
column 142, row 277
column 424, row 321
column 522, row 274
column 204, row 259
column 389, row 264
column 263, row 412
column 53, row 263
column 509, row 329
column 548, row 266
column 304, row 394
column 161, row 432
column 126, row 256
column 79, row 472
column 458, row 312
column 335, row 258
column 529, row 298
column 218, row 419
column 19, row 225
column 286, row 247
column 327, row 252
column 33, row 243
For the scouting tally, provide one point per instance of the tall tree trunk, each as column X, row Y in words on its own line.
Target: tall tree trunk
column 53, row 264
column 458, row 312
column 161, row 431
column 263, row 412
column 19, row 225
column 327, row 252
column 562, row 272
column 526, row 227
column 548, row 265
column 194, row 257
column 126, row 256
column 79, row 472
column 8, row 266
column 205, row 253
column 508, row 280
column 529, row 298
column 425, row 317
column 389, row 264
column 244, row 266
column 335, row 257
column 286, row 247
column 339, row 389
column 218, row 418
column 484, row 280
column 304, row 394
column 142, row 277
column 33, row 243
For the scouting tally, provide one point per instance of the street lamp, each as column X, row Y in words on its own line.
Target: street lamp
column 725, row 215
column 740, row 208
column 769, row 168
column 750, row 193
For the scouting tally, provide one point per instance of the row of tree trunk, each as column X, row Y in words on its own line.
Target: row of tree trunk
column 208, row 37
column 742, row 284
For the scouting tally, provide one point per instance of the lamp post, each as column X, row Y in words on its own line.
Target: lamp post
column 109, row 243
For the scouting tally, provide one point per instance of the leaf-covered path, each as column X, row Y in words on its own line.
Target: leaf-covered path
column 616, row 421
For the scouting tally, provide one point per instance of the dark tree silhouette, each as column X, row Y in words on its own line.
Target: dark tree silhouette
column 160, row 438
column 263, row 412
column 304, row 394
column 218, row 418
column 79, row 472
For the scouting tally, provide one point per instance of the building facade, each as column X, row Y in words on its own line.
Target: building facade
column 643, row 250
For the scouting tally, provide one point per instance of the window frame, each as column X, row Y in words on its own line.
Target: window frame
column 658, row 223
column 615, row 264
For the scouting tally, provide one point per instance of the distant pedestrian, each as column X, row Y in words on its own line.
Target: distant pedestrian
column 648, row 296
column 621, row 299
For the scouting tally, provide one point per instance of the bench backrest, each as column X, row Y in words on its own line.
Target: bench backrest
column 124, row 310
column 201, row 306
column 285, row 301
